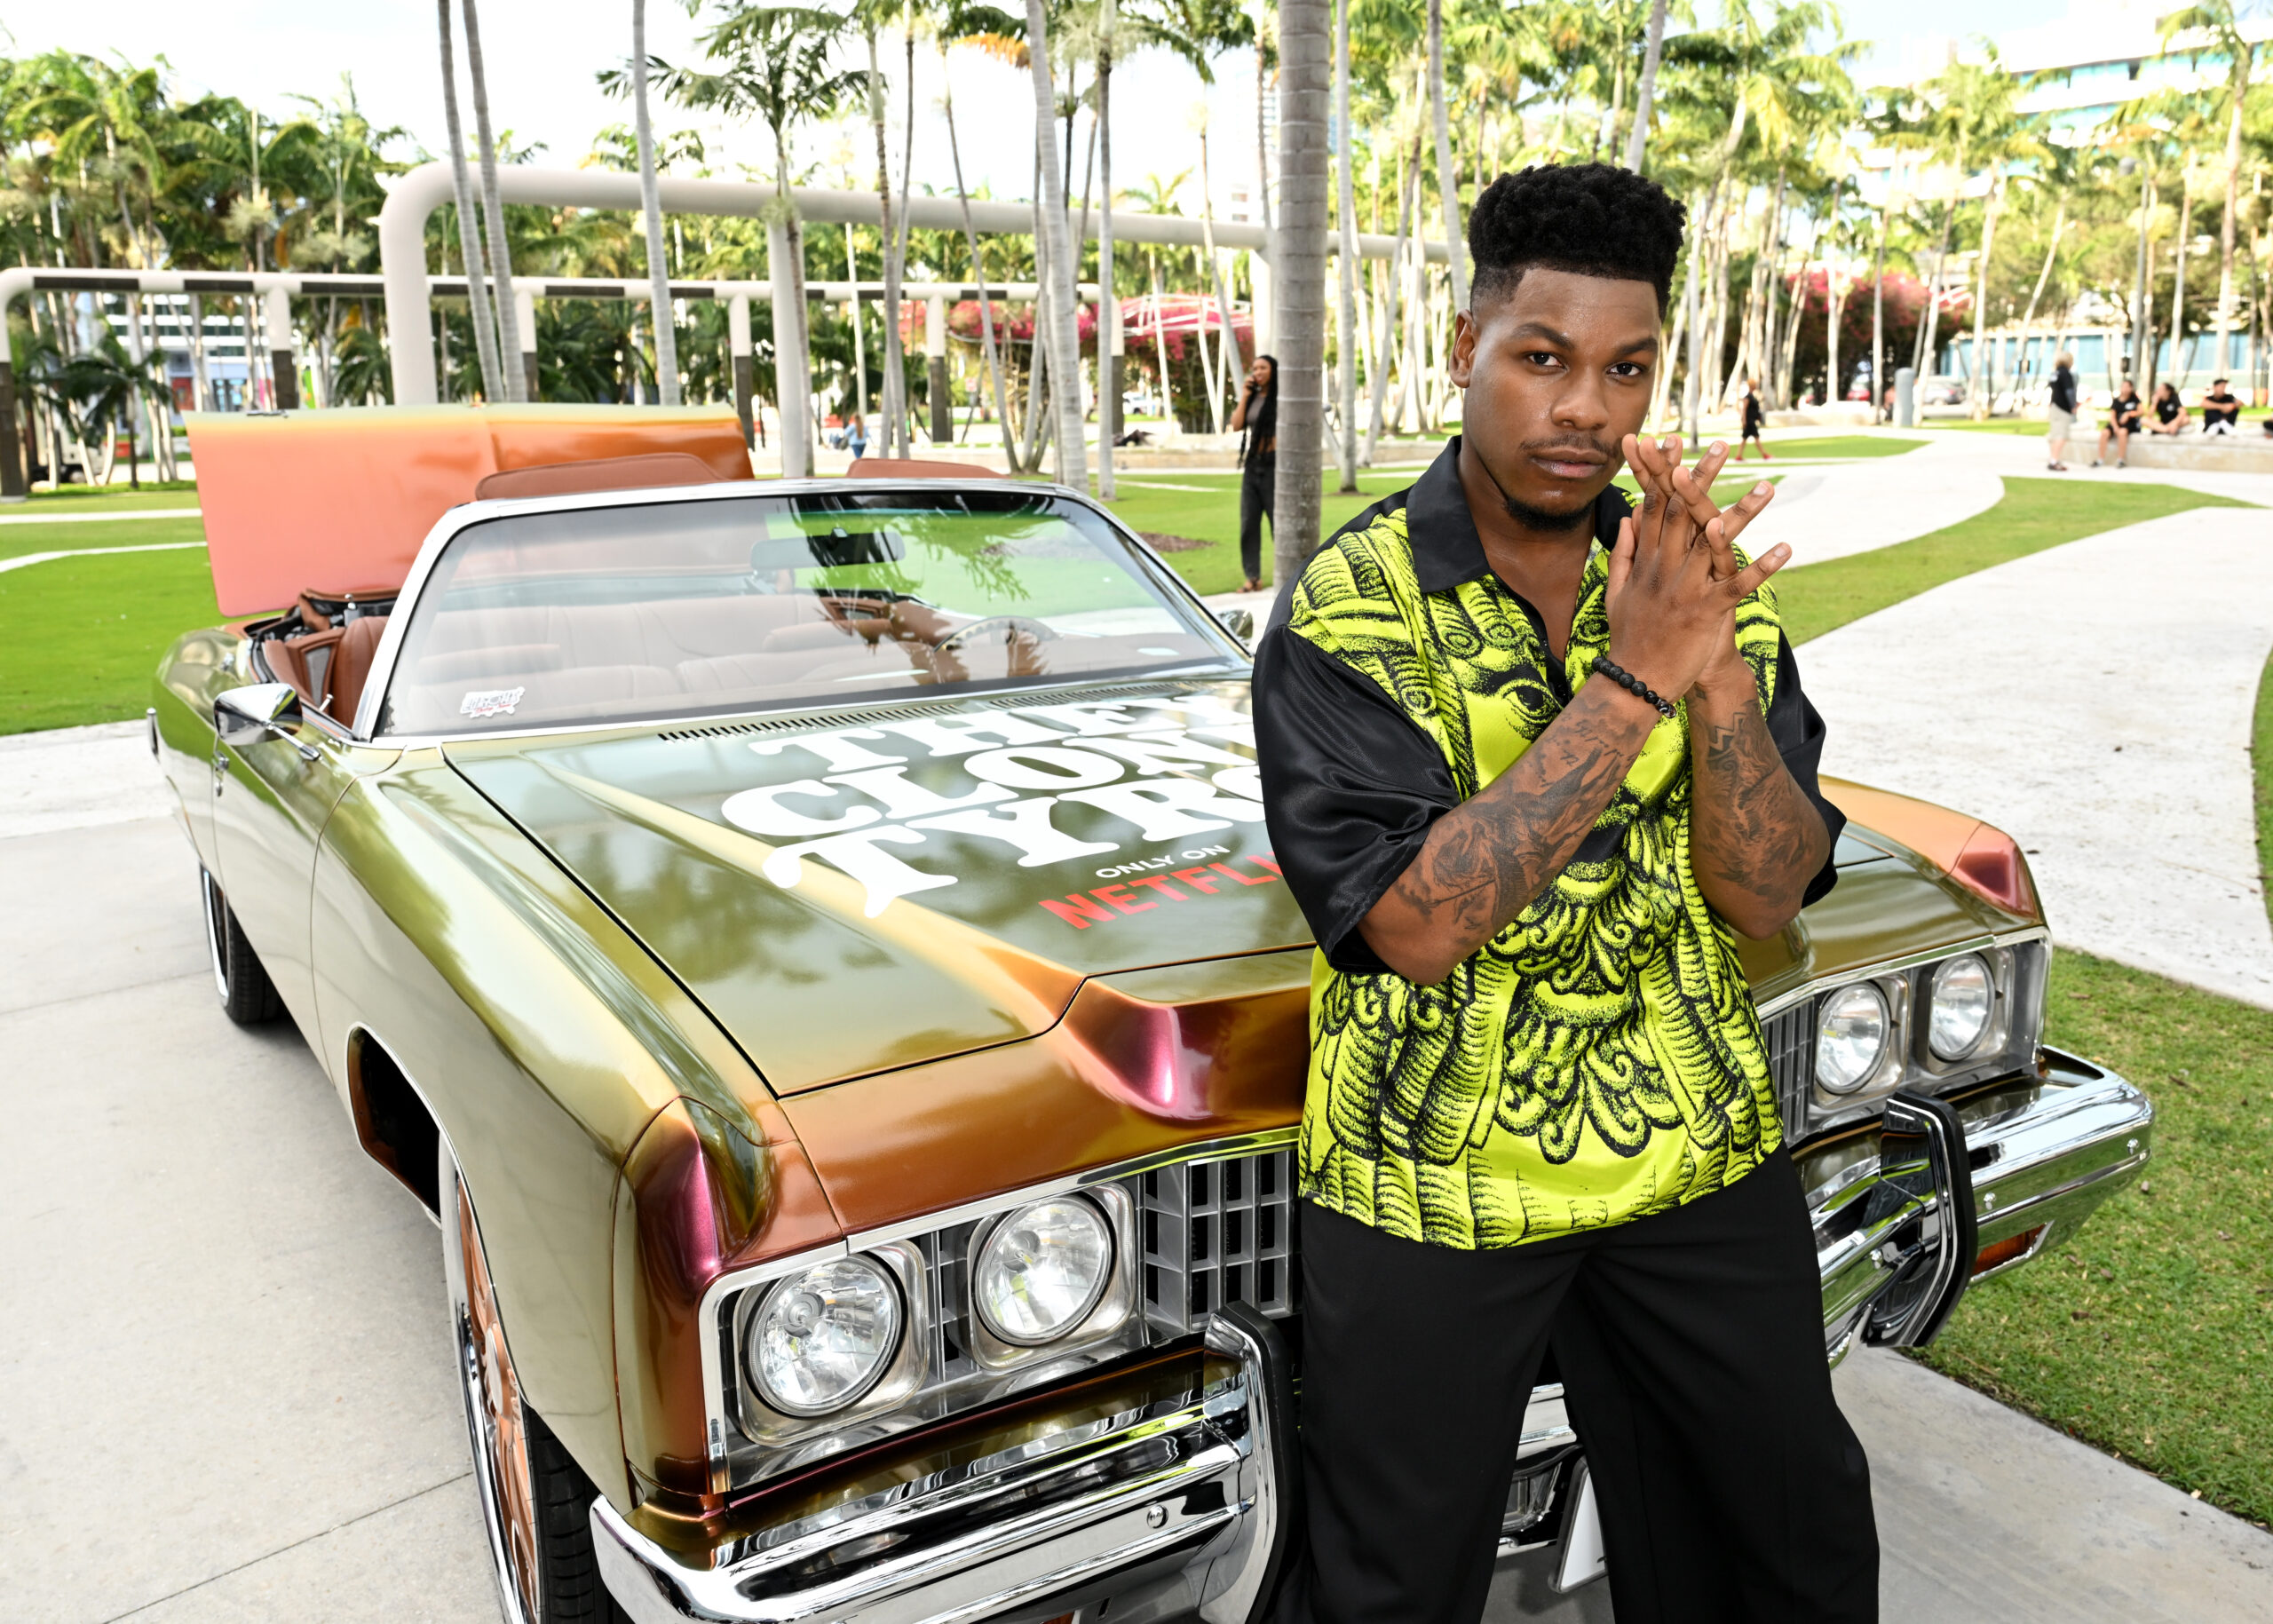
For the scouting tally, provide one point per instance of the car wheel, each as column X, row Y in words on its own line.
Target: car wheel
column 248, row 996
column 535, row 1501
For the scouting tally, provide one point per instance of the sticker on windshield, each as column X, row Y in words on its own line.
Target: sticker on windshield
column 490, row 702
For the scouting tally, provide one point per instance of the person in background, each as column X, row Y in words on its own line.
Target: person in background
column 2170, row 417
column 2122, row 424
column 1257, row 418
column 1755, row 419
column 2221, row 412
column 2063, row 412
column 856, row 437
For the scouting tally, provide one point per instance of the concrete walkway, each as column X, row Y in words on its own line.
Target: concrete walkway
column 204, row 1270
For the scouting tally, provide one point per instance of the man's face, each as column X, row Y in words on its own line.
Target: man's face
column 1557, row 373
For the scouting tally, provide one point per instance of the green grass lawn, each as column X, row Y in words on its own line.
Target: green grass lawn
column 172, row 494
column 1830, row 445
column 2261, row 755
column 2151, row 1334
column 80, row 637
column 2035, row 514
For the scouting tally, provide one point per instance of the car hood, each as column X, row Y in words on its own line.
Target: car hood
column 861, row 891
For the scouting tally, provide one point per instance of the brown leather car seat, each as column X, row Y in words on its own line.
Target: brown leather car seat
column 351, row 666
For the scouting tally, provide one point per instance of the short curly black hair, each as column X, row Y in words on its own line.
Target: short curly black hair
column 1594, row 220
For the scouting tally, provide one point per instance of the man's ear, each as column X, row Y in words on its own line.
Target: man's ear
column 1461, row 365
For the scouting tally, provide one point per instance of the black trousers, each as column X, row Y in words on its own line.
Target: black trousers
column 1259, row 482
column 1690, row 1349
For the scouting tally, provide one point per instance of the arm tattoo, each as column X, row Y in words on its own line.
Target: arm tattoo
column 1757, row 839
column 1485, row 862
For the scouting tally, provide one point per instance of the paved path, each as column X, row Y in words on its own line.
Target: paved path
column 1832, row 510
column 204, row 1270
column 96, row 518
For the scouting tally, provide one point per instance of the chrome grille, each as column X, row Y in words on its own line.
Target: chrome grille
column 1790, row 1041
column 1214, row 1233
column 946, row 1281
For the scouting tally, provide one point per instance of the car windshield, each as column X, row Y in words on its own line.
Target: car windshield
column 675, row 609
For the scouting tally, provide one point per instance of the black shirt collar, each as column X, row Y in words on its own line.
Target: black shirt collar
column 1446, row 549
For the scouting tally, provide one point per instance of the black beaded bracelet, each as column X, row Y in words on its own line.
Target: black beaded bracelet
column 1633, row 684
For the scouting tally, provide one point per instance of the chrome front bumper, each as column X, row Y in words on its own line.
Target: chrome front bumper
column 1907, row 1218
column 1185, row 1501
column 1182, row 1506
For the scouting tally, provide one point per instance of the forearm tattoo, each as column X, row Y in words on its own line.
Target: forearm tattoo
column 1485, row 862
column 1757, row 839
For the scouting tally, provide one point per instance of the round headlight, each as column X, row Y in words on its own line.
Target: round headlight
column 1965, row 996
column 1042, row 1271
column 823, row 1336
column 1849, row 1038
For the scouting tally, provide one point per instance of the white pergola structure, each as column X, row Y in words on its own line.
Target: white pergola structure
column 409, row 291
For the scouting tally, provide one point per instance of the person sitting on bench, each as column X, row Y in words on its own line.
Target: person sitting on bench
column 2170, row 414
column 2221, row 411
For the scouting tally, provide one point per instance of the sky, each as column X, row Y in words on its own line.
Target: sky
column 542, row 56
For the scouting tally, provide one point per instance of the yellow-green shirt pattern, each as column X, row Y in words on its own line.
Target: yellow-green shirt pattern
column 1599, row 1058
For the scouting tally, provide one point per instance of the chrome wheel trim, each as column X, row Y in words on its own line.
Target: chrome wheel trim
column 487, row 1386
column 217, row 925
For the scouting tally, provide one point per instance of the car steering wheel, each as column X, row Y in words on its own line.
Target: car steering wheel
column 1039, row 630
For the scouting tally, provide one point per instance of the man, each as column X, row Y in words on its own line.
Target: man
column 1532, row 765
column 2063, row 413
column 2221, row 411
column 2122, row 424
column 1754, row 419
column 1256, row 417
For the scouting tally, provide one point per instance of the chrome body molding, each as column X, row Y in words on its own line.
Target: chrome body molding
column 1191, row 1494
column 2037, row 1151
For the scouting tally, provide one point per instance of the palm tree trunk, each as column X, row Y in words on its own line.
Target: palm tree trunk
column 1161, row 348
column 651, row 204
column 1447, row 179
column 1346, row 356
column 485, row 314
column 889, row 405
column 1394, row 282
column 1059, row 295
column 1980, row 387
column 1215, row 386
column 2178, row 278
column 2028, row 320
column 785, row 255
column 896, row 254
column 2239, row 90
column 1637, row 138
column 1299, row 281
column 500, row 259
column 1878, row 322
column 979, row 275
column 1109, row 338
column 860, row 336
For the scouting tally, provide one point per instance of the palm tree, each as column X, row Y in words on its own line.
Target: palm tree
column 1637, row 140
column 1304, row 41
column 775, row 61
column 988, row 351
column 651, row 204
column 485, row 314
column 1109, row 344
column 1346, row 362
column 1447, row 180
column 2221, row 21
column 1059, row 312
column 513, row 387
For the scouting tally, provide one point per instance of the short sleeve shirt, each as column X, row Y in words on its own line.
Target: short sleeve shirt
column 1598, row 1059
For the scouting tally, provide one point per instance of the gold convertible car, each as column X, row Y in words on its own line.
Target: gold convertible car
column 815, row 949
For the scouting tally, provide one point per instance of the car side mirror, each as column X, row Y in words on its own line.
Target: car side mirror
column 246, row 716
column 1238, row 622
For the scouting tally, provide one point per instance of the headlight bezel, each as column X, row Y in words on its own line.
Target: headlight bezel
column 983, row 1322
column 757, row 1414
column 1888, row 1002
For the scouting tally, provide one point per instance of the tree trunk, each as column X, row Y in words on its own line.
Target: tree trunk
column 2239, row 90
column 979, row 275
column 2178, row 279
column 785, row 255
column 1299, row 281
column 1983, row 400
column 1109, row 339
column 1447, row 181
column 895, row 374
column 1637, row 138
column 859, row 333
column 1060, row 293
column 1393, row 283
column 1346, row 349
column 2142, row 334
column 1878, row 323
column 651, row 204
column 501, row 257
column 1160, row 348
column 485, row 314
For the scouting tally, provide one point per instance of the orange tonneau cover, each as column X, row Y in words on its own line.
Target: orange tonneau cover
column 338, row 501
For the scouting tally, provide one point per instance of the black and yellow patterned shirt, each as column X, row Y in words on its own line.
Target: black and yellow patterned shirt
column 1600, row 1059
